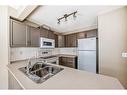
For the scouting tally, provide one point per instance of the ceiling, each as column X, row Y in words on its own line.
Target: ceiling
column 15, row 6
column 18, row 8
column 86, row 16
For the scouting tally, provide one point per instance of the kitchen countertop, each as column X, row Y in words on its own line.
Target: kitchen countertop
column 66, row 55
column 68, row 78
column 60, row 55
column 57, row 55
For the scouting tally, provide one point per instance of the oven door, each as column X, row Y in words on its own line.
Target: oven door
column 47, row 43
column 53, row 61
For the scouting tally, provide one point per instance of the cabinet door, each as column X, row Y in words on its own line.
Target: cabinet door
column 34, row 37
column 61, row 41
column 67, row 41
column 70, row 62
column 62, row 61
column 91, row 33
column 44, row 32
column 51, row 34
column 71, row 40
column 81, row 35
column 56, row 40
column 74, row 40
column 18, row 34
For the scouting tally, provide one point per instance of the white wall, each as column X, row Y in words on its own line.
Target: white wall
column 112, row 32
column 4, row 34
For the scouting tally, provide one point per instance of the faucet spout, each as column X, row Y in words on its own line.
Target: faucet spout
column 28, row 66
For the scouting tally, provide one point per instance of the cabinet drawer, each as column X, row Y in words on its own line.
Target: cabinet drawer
column 69, row 59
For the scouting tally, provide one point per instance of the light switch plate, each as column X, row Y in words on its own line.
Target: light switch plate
column 124, row 54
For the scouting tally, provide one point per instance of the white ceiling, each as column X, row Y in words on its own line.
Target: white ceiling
column 86, row 16
column 17, row 7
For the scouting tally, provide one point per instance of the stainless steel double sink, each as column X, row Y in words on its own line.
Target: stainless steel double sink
column 40, row 72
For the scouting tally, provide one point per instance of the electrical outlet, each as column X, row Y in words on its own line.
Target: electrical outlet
column 124, row 54
column 21, row 52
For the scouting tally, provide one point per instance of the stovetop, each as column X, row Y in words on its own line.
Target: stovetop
column 47, row 57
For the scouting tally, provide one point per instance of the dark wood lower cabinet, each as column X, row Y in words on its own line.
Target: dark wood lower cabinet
column 68, row 61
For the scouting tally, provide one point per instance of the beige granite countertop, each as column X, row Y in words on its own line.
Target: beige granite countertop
column 66, row 55
column 68, row 78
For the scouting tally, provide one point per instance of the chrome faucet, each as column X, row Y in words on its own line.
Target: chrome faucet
column 33, row 61
column 28, row 66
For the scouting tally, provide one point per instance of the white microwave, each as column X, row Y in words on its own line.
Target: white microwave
column 47, row 43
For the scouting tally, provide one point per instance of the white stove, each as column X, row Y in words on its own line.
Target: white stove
column 46, row 55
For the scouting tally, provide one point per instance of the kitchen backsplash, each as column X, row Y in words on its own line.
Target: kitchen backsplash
column 26, row 53
column 23, row 53
column 70, row 51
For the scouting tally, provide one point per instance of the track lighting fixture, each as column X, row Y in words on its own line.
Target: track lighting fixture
column 65, row 16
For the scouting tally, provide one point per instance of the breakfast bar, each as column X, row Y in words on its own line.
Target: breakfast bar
column 68, row 78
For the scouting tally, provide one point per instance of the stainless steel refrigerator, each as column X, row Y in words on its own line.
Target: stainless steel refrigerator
column 87, row 54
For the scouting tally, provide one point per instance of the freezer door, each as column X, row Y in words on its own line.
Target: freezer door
column 87, row 44
column 87, row 61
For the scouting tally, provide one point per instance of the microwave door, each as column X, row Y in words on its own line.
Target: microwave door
column 47, row 43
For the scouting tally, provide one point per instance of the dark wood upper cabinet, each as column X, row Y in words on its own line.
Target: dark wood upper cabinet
column 91, row 33
column 87, row 34
column 43, row 32
column 51, row 34
column 22, row 35
column 61, row 41
column 46, row 33
column 71, row 40
column 56, row 40
column 17, row 34
column 81, row 35
column 34, row 37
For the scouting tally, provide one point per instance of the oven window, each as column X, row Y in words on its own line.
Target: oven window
column 47, row 43
column 54, row 62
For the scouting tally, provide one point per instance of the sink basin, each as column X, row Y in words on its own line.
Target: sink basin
column 40, row 72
